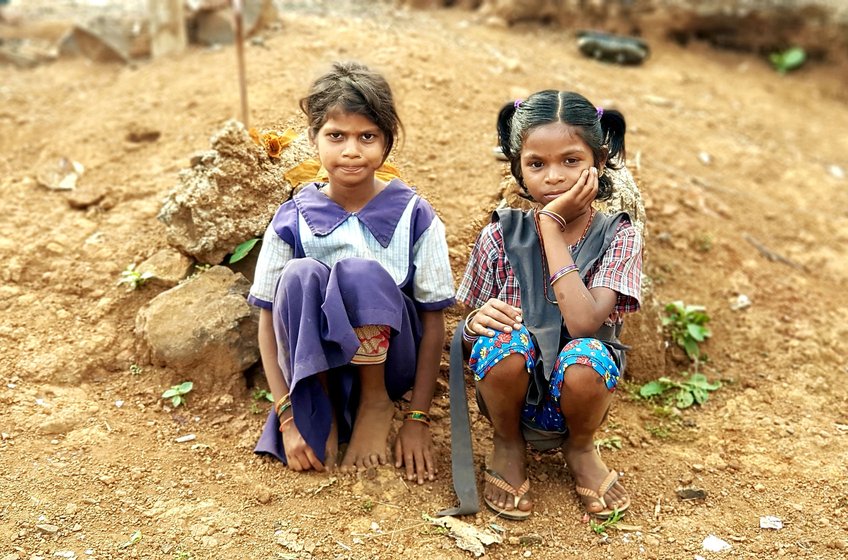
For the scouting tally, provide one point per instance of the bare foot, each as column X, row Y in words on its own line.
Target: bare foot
column 331, row 450
column 367, row 447
column 508, row 460
column 589, row 471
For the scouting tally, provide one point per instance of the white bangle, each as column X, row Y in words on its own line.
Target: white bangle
column 465, row 329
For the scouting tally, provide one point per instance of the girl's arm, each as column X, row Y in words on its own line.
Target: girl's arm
column 299, row 455
column 583, row 310
column 413, row 447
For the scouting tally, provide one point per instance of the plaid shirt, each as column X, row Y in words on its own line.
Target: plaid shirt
column 489, row 274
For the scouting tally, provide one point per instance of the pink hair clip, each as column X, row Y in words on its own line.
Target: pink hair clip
column 518, row 103
column 600, row 111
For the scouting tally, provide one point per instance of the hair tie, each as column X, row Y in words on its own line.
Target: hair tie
column 518, row 103
column 600, row 111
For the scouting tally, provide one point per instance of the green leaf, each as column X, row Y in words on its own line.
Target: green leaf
column 652, row 388
column 243, row 249
column 170, row 393
column 695, row 331
column 684, row 399
column 700, row 395
column 177, row 401
column 185, row 387
column 691, row 348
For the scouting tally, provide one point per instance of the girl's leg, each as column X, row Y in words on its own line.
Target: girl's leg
column 585, row 399
column 503, row 390
column 368, row 442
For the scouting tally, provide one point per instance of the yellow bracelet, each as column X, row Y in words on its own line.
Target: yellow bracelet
column 468, row 318
column 283, row 404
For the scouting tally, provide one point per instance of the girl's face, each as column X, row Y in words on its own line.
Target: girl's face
column 350, row 147
column 552, row 158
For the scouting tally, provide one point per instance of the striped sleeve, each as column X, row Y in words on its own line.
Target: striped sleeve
column 273, row 256
column 620, row 269
column 432, row 280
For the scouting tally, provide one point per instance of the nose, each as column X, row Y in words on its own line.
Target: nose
column 351, row 148
column 554, row 175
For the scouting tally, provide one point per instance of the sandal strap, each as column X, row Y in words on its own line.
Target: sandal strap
column 499, row 482
column 608, row 483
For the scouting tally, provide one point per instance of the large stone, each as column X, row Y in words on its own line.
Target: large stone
column 168, row 267
column 229, row 194
column 203, row 327
column 210, row 22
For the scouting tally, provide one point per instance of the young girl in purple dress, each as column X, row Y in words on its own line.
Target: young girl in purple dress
column 548, row 289
column 352, row 281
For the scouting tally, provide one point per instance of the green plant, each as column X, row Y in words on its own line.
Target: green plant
column 242, row 250
column 134, row 539
column 609, row 523
column 788, row 60
column 694, row 390
column 659, row 431
column 177, row 393
column 182, row 555
column 686, row 325
column 135, row 369
column 367, row 505
column 704, row 242
column 612, row 442
column 133, row 278
column 260, row 393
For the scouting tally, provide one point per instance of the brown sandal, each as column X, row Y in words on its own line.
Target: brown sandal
column 598, row 497
column 498, row 481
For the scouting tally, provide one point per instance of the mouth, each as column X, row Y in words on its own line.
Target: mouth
column 350, row 169
column 554, row 195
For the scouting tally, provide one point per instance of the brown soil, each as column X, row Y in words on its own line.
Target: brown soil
column 79, row 474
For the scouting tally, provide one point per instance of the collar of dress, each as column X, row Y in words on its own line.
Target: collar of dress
column 381, row 215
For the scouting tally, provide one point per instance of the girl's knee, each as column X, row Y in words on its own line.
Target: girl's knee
column 301, row 270
column 510, row 367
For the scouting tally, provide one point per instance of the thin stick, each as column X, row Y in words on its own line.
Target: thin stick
column 239, row 28
column 771, row 255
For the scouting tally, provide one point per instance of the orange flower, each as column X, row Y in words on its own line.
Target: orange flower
column 254, row 135
column 273, row 145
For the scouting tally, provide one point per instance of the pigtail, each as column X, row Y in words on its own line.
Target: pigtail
column 613, row 127
column 504, row 126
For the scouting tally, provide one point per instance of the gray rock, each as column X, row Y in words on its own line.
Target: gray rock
column 204, row 327
column 211, row 24
column 229, row 195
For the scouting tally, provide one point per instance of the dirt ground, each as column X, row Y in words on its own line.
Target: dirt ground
column 728, row 154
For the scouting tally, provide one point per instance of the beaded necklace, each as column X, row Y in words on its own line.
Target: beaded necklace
column 545, row 271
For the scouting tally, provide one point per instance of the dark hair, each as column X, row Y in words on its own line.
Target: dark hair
column 353, row 88
column 602, row 130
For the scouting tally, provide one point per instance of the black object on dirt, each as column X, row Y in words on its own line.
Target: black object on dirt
column 619, row 49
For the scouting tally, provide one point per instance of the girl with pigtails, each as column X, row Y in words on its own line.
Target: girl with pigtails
column 548, row 289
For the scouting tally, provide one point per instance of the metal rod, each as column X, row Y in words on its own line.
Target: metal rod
column 239, row 29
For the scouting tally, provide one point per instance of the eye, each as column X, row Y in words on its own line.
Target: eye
column 571, row 161
column 334, row 135
column 534, row 164
column 369, row 137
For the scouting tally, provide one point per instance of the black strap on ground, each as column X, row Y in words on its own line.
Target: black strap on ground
column 462, row 457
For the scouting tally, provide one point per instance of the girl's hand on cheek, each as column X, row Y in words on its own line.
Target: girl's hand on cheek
column 574, row 202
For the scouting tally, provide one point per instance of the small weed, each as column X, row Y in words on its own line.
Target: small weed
column 694, row 390
column 612, row 442
column 610, row 523
column 133, row 278
column 177, row 393
column 260, row 394
column 254, row 408
column 135, row 538
column 703, row 242
column 367, row 506
column 242, row 250
column 135, row 369
column 788, row 60
column 659, row 431
column 686, row 325
column 182, row 555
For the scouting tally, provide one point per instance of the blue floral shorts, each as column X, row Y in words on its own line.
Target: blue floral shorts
column 547, row 415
